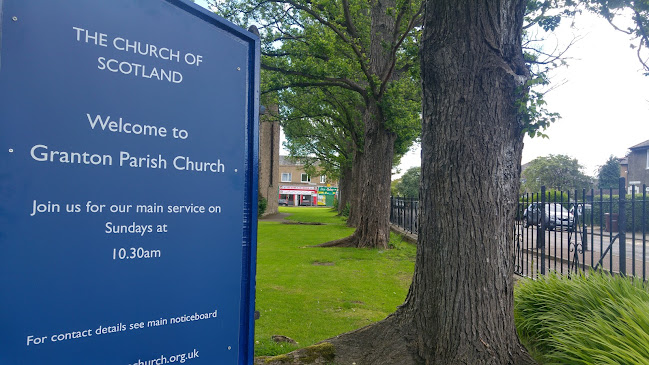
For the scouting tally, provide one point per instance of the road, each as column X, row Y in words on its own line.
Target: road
column 560, row 250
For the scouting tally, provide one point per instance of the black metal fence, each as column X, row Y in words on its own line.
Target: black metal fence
column 404, row 212
column 569, row 231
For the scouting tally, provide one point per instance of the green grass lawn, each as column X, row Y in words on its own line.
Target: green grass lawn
column 310, row 293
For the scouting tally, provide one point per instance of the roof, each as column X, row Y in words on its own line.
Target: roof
column 296, row 161
column 643, row 145
column 624, row 160
column 289, row 161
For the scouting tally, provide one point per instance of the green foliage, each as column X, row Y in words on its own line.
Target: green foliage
column 402, row 109
column 541, row 17
column 345, row 211
column 308, row 294
column 593, row 319
column 608, row 175
column 558, row 172
column 551, row 196
column 547, row 14
column 324, row 123
column 408, row 186
column 393, row 187
column 633, row 212
column 262, row 204
column 534, row 116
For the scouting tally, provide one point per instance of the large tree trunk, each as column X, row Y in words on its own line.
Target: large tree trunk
column 461, row 298
column 459, row 309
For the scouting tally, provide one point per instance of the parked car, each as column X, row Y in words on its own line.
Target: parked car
column 283, row 202
column 556, row 216
column 582, row 208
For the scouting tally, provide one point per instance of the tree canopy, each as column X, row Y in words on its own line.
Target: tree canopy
column 559, row 172
column 608, row 175
column 408, row 185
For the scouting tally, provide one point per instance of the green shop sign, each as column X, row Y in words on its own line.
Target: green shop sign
column 327, row 190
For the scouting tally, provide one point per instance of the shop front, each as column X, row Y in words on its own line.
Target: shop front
column 327, row 195
column 294, row 196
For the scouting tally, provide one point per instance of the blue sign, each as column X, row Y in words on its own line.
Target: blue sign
column 128, row 183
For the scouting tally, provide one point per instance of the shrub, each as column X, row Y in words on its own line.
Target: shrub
column 262, row 204
column 633, row 212
column 551, row 196
column 345, row 211
column 589, row 319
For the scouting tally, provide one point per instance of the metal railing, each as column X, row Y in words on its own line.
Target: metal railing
column 578, row 230
column 568, row 231
column 404, row 212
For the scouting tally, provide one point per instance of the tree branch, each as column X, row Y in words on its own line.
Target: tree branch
column 357, row 51
column 325, row 81
column 397, row 45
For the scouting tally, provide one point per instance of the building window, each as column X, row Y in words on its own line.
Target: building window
column 286, row 177
column 305, row 178
column 647, row 159
column 323, row 179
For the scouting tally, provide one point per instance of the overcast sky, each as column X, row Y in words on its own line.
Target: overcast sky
column 603, row 98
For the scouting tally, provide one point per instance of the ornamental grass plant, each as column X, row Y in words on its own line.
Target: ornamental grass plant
column 592, row 318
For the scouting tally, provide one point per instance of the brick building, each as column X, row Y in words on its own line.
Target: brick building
column 298, row 188
column 638, row 166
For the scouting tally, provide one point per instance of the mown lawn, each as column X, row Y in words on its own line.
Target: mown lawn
column 310, row 294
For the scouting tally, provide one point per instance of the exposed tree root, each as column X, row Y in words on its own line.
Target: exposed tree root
column 384, row 343
column 392, row 341
column 355, row 240
column 350, row 241
column 304, row 223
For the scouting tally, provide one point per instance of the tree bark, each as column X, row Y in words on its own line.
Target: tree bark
column 459, row 309
column 354, row 198
column 344, row 187
column 373, row 228
column 473, row 73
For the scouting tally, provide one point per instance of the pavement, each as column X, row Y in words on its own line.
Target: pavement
column 275, row 217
